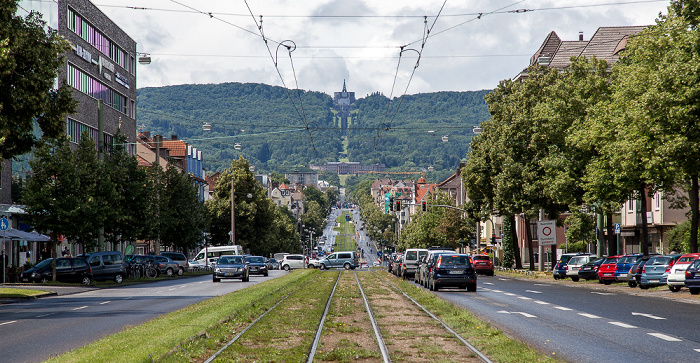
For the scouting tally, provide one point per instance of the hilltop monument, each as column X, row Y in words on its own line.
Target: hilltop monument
column 344, row 102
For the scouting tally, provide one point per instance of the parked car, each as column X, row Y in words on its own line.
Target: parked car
column 313, row 263
column 634, row 275
column 452, row 270
column 68, row 269
column 483, row 264
column 178, row 257
column 676, row 277
column 589, row 271
column 575, row 263
column 163, row 265
column 655, row 271
column 231, row 267
column 428, row 262
column 397, row 264
column 559, row 271
column 345, row 259
column 107, row 265
column 606, row 271
column 410, row 261
column 256, row 265
column 290, row 262
column 624, row 264
column 692, row 277
column 272, row 264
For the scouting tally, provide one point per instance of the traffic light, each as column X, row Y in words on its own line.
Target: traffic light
column 398, row 205
column 425, row 206
column 391, row 204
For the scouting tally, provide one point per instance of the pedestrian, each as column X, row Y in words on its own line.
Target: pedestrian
column 65, row 252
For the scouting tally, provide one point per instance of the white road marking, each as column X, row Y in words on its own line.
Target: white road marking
column 524, row 298
column 509, row 294
column 589, row 315
column 496, row 290
column 697, row 350
column 8, row 322
column 503, row 279
column 541, row 302
column 129, row 297
column 44, row 315
column 562, row 308
column 171, row 289
column 665, row 337
column 623, row 325
column 533, row 291
column 488, row 283
column 82, row 307
column 517, row 312
column 541, row 285
column 649, row 316
column 602, row 293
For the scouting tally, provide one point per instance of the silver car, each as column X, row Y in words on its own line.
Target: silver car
column 290, row 262
column 575, row 264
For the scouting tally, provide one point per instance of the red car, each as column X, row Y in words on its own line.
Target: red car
column 606, row 271
column 483, row 264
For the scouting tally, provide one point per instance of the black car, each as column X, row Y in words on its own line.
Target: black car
column 452, row 270
column 589, row 271
column 634, row 275
column 69, row 269
column 257, row 265
column 231, row 267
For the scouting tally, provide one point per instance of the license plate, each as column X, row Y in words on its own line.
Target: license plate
column 623, row 275
column 653, row 281
column 607, row 274
column 229, row 274
column 575, row 268
column 456, row 272
column 585, row 269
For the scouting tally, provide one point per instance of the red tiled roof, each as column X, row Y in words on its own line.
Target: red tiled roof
column 142, row 162
column 178, row 148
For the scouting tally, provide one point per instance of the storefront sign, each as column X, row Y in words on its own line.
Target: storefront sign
column 83, row 53
column 121, row 79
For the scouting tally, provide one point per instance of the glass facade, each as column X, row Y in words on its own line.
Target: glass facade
column 49, row 10
column 87, row 84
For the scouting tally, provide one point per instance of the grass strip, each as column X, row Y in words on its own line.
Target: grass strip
column 189, row 333
column 7, row 293
column 484, row 337
column 286, row 335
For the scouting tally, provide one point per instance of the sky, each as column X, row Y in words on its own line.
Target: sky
column 472, row 44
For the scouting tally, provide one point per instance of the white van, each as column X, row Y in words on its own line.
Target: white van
column 214, row 252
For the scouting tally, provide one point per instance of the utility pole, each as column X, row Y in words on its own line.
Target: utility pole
column 540, row 248
column 100, row 160
column 233, row 211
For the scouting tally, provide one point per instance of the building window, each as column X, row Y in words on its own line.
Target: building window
column 75, row 130
column 657, row 200
column 78, row 25
column 87, row 84
column 630, row 205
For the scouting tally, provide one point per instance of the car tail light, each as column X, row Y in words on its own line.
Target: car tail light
column 668, row 269
column 631, row 272
column 688, row 274
column 644, row 270
column 439, row 262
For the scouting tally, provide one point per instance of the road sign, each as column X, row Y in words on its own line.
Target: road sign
column 379, row 253
column 547, row 232
column 617, row 228
column 4, row 224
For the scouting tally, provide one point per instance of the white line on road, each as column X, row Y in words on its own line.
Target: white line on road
column 517, row 312
column 665, row 337
column 602, row 293
column 496, row 291
column 541, row 302
column 649, row 316
column 105, row 302
column 44, row 315
column 8, row 322
column 623, row 325
column 524, row 298
column 589, row 315
column 562, row 308
column 503, row 279
column 541, row 285
column 697, row 350
column 509, row 294
column 533, row 291
column 171, row 289
column 82, row 307
column 488, row 283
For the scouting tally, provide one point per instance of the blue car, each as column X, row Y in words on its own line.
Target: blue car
column 692, row 277
column 624, row 265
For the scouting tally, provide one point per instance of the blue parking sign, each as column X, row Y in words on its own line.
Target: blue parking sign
column 617, row 228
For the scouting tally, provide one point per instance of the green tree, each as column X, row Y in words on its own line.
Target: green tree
column 30, row 59
column 182, row 216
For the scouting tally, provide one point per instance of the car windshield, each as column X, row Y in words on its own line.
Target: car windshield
column 628, row 259
column 483, row 258
column 687, row 259
column 452, row 260
column 659, row 261
column 44, row 263
column 231, row 260
column 565, row 258
column 255, row 259
column 610, row 260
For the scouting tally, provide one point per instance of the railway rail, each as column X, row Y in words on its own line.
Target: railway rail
column 363, row 312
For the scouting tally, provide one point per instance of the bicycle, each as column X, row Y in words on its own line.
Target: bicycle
column 150, row 271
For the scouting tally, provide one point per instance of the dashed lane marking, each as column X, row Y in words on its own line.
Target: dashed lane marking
column 697, row 350
column 44, row 315
column 602, row 293
column 488, row 283
column 623, row 325
column 496, row 290
column 665, row 337
column 502, row 279
column 8, row 322
column 649, row 316
column 589, row 315
column 524, row 298
column 541, row 302
column 533, row 291
column 105, row 302
column 541, row 285
column 81, row 307
column 517, row 312
column 509, row 294
column 562, row 308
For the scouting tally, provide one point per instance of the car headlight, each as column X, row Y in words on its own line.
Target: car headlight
column 241, row 269
column 218, row 269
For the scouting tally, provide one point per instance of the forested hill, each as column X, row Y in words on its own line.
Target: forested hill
column 270, row 124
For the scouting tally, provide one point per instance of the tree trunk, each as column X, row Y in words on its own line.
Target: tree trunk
column 531, row 251
column 694, row 213
column 516, row 244
column 643, row 211
column 612, row 237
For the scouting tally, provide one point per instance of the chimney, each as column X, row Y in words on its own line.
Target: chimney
column 146, row 134
column 173, row 137
column 580, row 36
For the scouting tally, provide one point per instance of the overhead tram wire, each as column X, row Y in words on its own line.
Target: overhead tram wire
column 279, row 73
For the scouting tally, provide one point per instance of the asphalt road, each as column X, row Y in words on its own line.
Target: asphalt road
column 34, row 330
column 580, row 324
